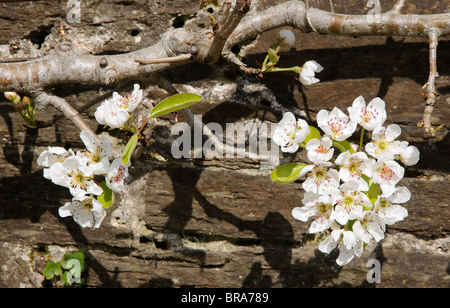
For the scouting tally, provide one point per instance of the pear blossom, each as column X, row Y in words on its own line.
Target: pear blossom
column 354, row 166
column 349, row 245
column 129, row 102
column 387, row 208
column 350, row 202
column 387, row 174
column 369, row 225
column 307, row 72
column 371, row 116
column 76, row 176
column 321, row 179
column 290, row 132
column 116, row 175
column 317, row 206
column 86, row 211
column 335, row 124
column 286, row 38
column 320, row 151
column 110, row 114
column 99, row 154
column 410, row 156
column 53, row 155
column 383, row 145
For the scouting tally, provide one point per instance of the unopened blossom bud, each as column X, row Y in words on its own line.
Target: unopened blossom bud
column 307, row 72
column 26, row 101
column 12, row 96
column 410, row 156
column 286, row 38
column 354, row 147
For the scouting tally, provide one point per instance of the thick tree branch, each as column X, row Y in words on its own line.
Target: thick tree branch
column 294, row 13
column 68, row 64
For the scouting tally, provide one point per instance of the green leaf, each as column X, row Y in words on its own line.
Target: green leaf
column 65, row 279
column 373, row 192
column 343, row 146
column 51, row 269
column 313, row 134
column 174, row 103
column 273, row 57
column 107, row 198
column 74, row 261
column 286, row 174
column 129, row 148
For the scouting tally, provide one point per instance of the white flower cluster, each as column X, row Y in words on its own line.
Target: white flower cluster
column 116, row 111
column 77, row 172
column 80, row 171
column 355, row 193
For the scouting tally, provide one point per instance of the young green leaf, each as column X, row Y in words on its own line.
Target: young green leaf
column 273, row 57
column 288, row 173
column 343, row 146
column 373, row 192
column 129, row 148
column 313, row 134
column 174, row 103
column 107, row 197
column 74, row 260
column 51, row 269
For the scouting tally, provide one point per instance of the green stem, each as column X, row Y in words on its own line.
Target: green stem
column 362, row 138
column 280, row 69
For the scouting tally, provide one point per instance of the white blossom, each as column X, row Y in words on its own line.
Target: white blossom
column 110, row 114
column 320, row 180
column 335, row 124
column 76, row 176
column 116, row 175
column 53, row 155
column 369, row 225
column 387, row 174
column 386, row 205
column 307, row 72
column 354, row 166
column 98, row 155
column 129, row 102
column 410, row 156
column 350, row 202
column 317, row 206
column 290, row 132
column 371, row 116
column 320, row 151
column 349, row 245
column 383, row 145
column 86, row 211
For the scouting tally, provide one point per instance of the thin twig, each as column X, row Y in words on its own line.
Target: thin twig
column 398, row 6
column 62, row 105
column 180, row 58
column 225, row 29
column 431, row 96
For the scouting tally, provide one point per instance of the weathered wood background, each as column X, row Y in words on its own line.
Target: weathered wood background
column 221, row 223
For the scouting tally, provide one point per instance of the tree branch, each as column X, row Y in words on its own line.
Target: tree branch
column 229, row 23
column 431, row 95
column 68, row 64
column 44, row 99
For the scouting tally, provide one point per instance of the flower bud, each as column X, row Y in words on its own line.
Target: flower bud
column 12, row 96
column 286, row 38
column 410, row 156
column 26, row 101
